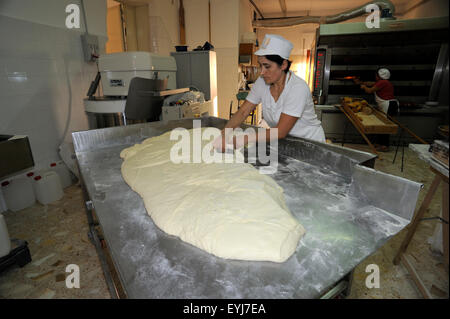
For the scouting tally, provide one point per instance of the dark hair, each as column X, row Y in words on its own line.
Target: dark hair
column 278, row 60
column 376, row 72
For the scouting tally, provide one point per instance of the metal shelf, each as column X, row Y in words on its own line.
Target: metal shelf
column 395, row 83
column 379, row 50
column 335, row 98
column 375, row 67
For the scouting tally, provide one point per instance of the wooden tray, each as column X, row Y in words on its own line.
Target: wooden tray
column 375, row 123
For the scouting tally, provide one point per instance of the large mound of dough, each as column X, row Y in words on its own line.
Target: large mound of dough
column 229, row 210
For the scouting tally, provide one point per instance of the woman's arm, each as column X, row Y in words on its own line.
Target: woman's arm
column 241, row 114
column 359, row 82
column 369, row 89
column 284, row 126
column 236, row 120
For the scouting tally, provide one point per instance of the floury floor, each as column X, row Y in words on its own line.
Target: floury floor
column 57, row 236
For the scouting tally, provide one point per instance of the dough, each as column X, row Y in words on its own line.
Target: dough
column 229, row 210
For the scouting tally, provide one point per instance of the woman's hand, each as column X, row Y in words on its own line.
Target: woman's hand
column 226, row 141
column 219, row 143
column 242, row 140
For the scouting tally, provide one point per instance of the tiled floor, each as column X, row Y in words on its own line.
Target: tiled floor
column 57, row 236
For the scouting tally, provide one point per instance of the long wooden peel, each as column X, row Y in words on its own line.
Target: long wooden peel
column 407, row 130
column 401, row 125
column 360, row 131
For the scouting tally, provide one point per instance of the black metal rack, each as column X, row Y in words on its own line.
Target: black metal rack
column 416, row 53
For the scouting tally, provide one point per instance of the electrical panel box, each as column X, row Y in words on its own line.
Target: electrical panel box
column 90, row 47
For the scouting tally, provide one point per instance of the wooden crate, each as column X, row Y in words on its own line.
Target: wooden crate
column 375, row 123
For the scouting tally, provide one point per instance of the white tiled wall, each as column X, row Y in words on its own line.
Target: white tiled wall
column 43, row 80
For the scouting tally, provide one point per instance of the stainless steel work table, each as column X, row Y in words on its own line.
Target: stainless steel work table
column 347, row 209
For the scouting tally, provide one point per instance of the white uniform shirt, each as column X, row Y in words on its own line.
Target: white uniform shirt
column 295, row 100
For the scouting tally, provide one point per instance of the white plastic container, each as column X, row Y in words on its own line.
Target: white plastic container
column 18, row 193
column 31, row 177
column 48, row 187
column 3, row 207
column 63, row 172
column 5, row 242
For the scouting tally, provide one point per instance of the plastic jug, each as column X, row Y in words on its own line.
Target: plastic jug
column 63, row 172
column 31, row 176
column 48, row 187
column 18, row 193
column 5, row 242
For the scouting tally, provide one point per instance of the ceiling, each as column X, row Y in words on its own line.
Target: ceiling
column 282, row 8
column 276, row 8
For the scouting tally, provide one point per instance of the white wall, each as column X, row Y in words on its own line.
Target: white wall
column 225, row 38
column 163, row 25
column 245, row 18
column 43, row 76
column 425, row 9
column 196, row 22
column 52, row 13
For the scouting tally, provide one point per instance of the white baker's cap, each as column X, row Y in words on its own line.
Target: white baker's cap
column 384, row 74
column 274, row 44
